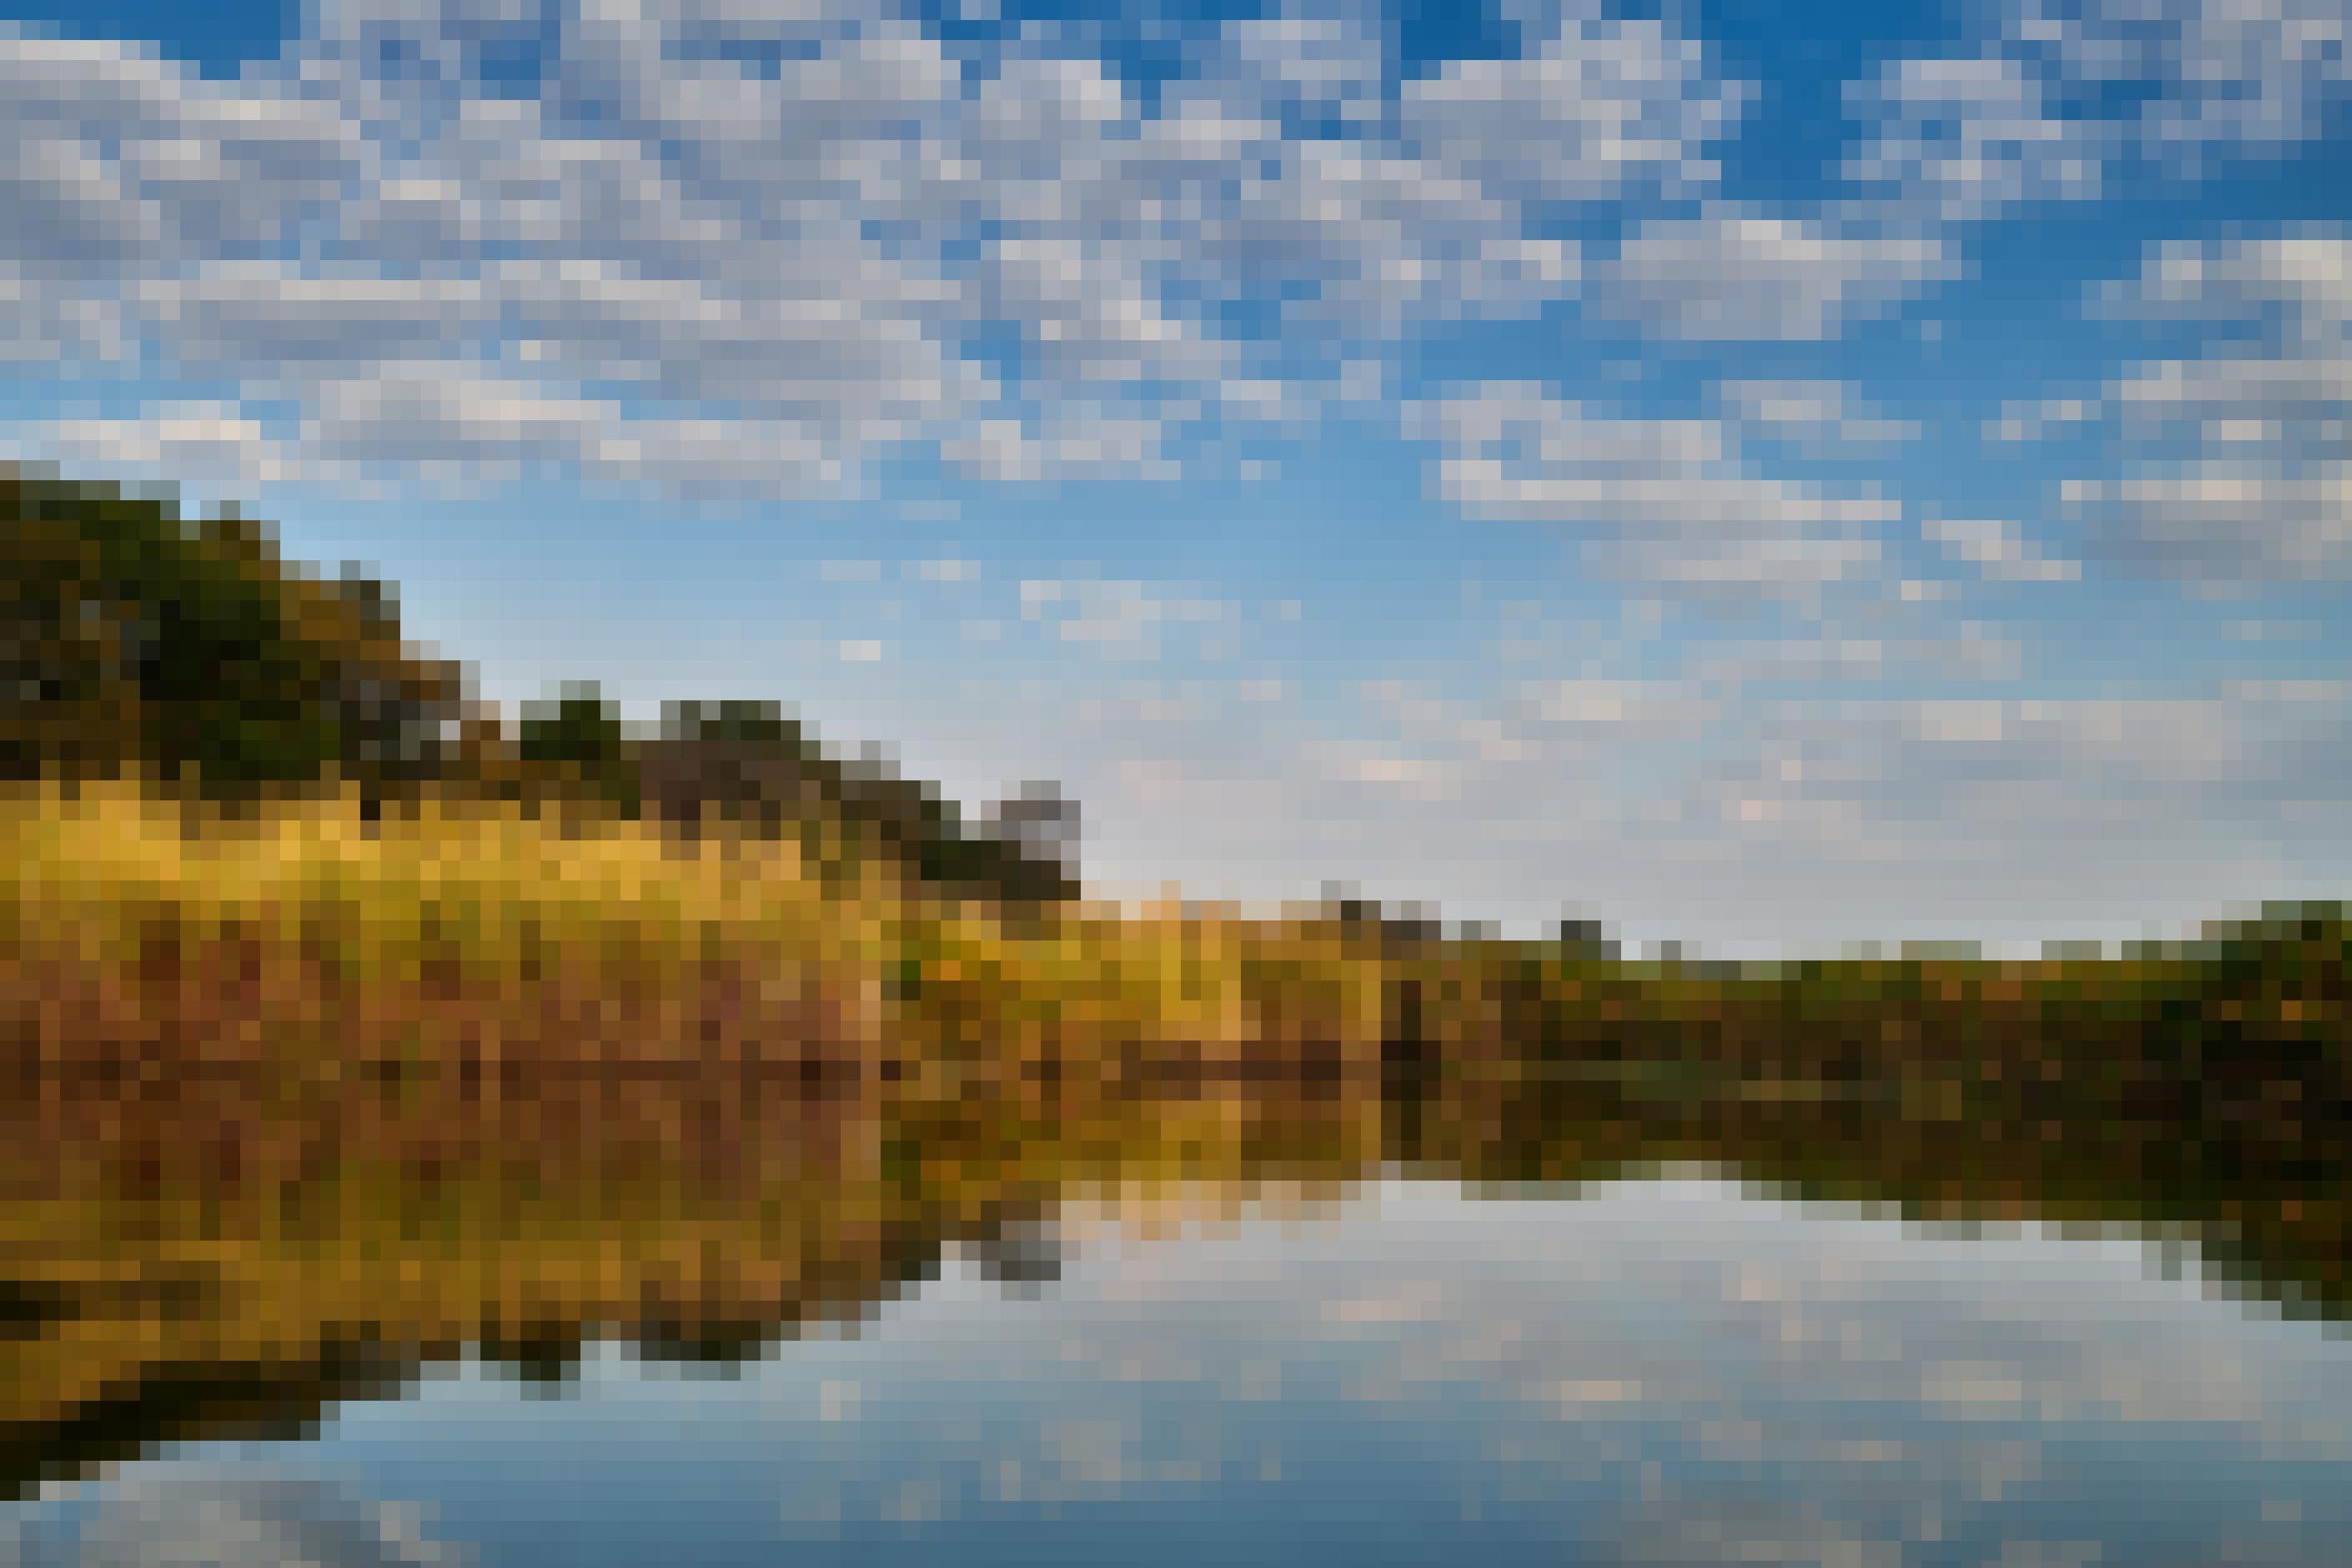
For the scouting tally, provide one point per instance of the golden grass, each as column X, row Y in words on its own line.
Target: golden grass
column 489, row 878
column 138, row 930
column 707, row 937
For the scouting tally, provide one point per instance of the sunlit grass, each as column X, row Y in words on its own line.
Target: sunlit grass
column 460, row 898
column 488, row 879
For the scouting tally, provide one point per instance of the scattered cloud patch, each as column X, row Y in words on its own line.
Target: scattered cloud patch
column 1736, row 275
column 1997, row 550
column 1670, row 505
column 2229, row 465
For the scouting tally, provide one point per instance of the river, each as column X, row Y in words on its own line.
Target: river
column 1671, row 1368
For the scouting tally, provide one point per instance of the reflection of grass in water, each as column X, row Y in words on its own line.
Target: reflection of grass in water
column 411, row 1272
column 155, row 1305
column 206, row 1285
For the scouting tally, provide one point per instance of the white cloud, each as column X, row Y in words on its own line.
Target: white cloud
column 1662, row 706
column 465, row 283
column 1121, row 619
column 2018, row 776
column 1958, row 138
column 944, row 569
column 1741, row 276
column 120, row 159
column 1997, row 550
column 1670, row 504
column 2251, row 76
column 196, row 440
column 2306, row 272
column 1820, row 418
column 1596, row 107
column 2059, row 94
column 826, row 255
column 2228, row 466
column 666, row 267
column 1914, row 649
column 2033, row 419
column 1070, row 444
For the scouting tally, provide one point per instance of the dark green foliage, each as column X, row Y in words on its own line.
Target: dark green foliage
column 750, row 764
column 1585, row 939
column 578, row 742
column 132, row 639
column 744, row 762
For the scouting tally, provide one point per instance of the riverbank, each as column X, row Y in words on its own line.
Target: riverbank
column 312, row 955
column 313, row 1077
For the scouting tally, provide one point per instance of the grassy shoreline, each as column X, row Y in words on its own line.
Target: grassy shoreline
column 319, row 940
column 301, row 1079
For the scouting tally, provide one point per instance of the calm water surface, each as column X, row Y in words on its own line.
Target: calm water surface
column 1674, row 1371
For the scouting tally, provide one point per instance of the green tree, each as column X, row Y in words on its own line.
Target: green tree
column 579, row 745
column 129, row 637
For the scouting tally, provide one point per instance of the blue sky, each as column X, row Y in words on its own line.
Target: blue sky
column 1759, row 474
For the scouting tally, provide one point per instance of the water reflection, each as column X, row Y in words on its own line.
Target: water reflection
column 624, row 1323
column 1676, row 1369
column 212, row 1511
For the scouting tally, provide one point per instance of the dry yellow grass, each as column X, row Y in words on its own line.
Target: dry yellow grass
column 495, row 895
column 491, row 879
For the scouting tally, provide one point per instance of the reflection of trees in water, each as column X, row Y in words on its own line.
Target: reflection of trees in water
column 703, row 1229
column 1022, row 1257
column 2266, row 1199
column 181, row 1403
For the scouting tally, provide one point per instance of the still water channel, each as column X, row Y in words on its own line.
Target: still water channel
column 1675, row 1370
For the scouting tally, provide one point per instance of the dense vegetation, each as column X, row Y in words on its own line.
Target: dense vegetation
column 131, row 641
column 190, row 653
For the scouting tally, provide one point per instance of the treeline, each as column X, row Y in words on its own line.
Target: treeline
column 191, row 652
column 750, row 767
